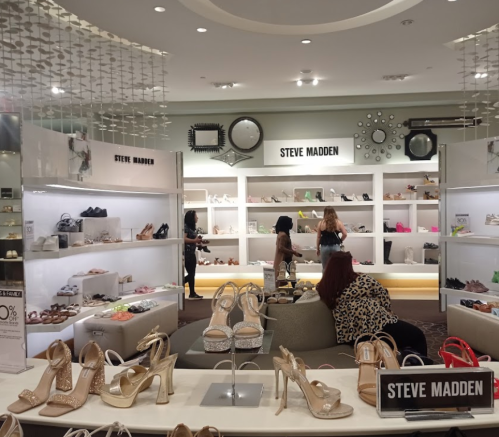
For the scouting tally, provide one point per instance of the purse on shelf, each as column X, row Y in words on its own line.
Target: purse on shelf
column 67, row 224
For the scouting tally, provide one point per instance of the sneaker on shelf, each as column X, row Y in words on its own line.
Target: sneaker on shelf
column 422, row 230
column 430, row 246
column 478, row 287
column 492, row 219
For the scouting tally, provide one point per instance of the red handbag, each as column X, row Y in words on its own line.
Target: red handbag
column 464, row 358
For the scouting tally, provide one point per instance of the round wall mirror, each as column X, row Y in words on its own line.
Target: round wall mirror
column 379, row 136
column 245, row 134
column 420, row 145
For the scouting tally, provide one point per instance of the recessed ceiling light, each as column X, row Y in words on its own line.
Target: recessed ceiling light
column 483, row 75
column 56, row 90
column 201, row 30
column 306, row 41
column 315, row 82
column 299, row 83
column 452, row 0
column 159, row 9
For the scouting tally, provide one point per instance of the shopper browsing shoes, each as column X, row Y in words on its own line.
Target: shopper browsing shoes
column 284, row 249
column 191, row 240
column 361, row 306
column 328, row 239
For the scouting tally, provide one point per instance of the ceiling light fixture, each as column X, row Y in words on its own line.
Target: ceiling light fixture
column 224, row 85
column 479, row 75
column 202, row 30
column 407, row 22
column 159, row 9
column 395, row 77
column 313, row 82
column 305, row 71
column 306, row 41
column 56, row 90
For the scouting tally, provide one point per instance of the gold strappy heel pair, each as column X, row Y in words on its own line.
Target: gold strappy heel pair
column 369, row 356
column 182, row 430
column 126, row 385
column 323, row 402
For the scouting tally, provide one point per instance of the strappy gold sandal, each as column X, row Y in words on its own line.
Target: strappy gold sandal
column 386, row 353
column 90, row 381
column 12, row 428
column 59, row 359
column 278, row 362
column 367, row 357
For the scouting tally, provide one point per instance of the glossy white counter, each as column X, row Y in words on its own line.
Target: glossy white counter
column 190, row 387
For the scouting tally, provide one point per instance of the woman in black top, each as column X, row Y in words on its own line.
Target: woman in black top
column 191, row 239
column 328, row 240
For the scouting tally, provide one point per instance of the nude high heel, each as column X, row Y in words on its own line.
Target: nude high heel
column 206, row 432
column 278, row 362
column 248, row 334
column 90, row 381
column 11, row 426
column 59, row 359
column 180, row 430
column 386, row 353
column 282, row 271
column 323, row 402
column 217, row 337
column 367, row 357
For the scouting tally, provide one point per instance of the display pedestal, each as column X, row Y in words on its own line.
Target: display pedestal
column 233, row 394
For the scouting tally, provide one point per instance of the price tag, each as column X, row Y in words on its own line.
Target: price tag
column 464, row 389
column 268, row 280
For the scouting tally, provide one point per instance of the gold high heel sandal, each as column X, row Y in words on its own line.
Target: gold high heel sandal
column 386, row 354
column 11, row 426
column 323, row 402
column 59, row 358
column 278, row 362
column 217, row 337
column 90, row 381
column 367, row 357
column 248, row 334
column 156, row 339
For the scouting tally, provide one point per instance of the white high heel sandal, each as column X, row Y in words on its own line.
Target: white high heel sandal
column 11, row 426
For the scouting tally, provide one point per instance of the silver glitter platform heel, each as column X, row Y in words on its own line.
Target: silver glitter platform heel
column 217, row 337
column 248, row 334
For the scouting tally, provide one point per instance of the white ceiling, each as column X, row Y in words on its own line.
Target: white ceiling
column 348, row 63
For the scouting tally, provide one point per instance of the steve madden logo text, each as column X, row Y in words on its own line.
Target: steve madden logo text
column 133, row 159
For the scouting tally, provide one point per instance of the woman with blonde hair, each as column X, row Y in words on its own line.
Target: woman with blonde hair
column 328, row 239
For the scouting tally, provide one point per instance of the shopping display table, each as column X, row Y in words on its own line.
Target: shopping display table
column 145, row 417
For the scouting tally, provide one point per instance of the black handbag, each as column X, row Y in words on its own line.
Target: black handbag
column 67, row 224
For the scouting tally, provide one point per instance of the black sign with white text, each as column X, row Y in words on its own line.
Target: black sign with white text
column 428, row 389
column 133, row 160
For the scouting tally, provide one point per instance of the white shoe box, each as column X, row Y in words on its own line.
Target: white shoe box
column 95, row 227
column 106, row 283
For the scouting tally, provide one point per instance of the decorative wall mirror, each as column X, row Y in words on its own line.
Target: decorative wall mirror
column 206, row 137
column 245, row 134
column 420, row 145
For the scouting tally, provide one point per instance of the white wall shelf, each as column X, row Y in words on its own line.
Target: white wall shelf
column 410, row 234
column 475, row 239
column 90, row 311
column 56, row 183
column 257, row 183
column 101, row 247
column 19, row 259
column 489, row 296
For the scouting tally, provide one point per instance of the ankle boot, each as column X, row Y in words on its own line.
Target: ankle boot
column 387, row 245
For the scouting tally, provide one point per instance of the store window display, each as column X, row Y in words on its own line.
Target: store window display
column 328, row 239
column 362, row 306
column 191, row 241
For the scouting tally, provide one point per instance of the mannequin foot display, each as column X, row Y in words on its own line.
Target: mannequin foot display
column 366, row 197
column 345, row 198
column 225, row 198
column 318, row 196
column 59, row 359
column 217, row 337
column 409, row 255
column 301, row 215
column 275, row 199
column 90, row 381
column 308, row 196
column 315, row 215
column 248, row 334
column 323, row 402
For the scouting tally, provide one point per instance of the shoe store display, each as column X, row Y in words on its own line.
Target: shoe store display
column 422, row 230
column 431, row 261
column 345, row 198
column 94, row 212
column 492, row 220
column 454, row 283
column 431, row 246
column 387, row 246
column 409, row 255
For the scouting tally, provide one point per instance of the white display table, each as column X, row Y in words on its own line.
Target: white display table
column 191, row 385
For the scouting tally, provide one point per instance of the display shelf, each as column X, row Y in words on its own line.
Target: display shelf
column 410, row 202
column 72, row 186
column 19, row 259
column 471, row 185
column 11, row 212
column 254, row 269
column 408, row 268
column 90, row 311
column 410, row 234
column 11, row 239
column 10, row 226
column 492, row 296
column 301, row 205
column 298, row 235
column 220, row 236
column 475, row 239
column 223, row 205
column 10, row 198
column 101, row 247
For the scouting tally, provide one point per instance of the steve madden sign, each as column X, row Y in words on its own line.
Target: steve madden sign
column 323, row 152
column 430, row 389
column 133, row 159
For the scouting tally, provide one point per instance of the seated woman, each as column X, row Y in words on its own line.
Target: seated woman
column 361, row 306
